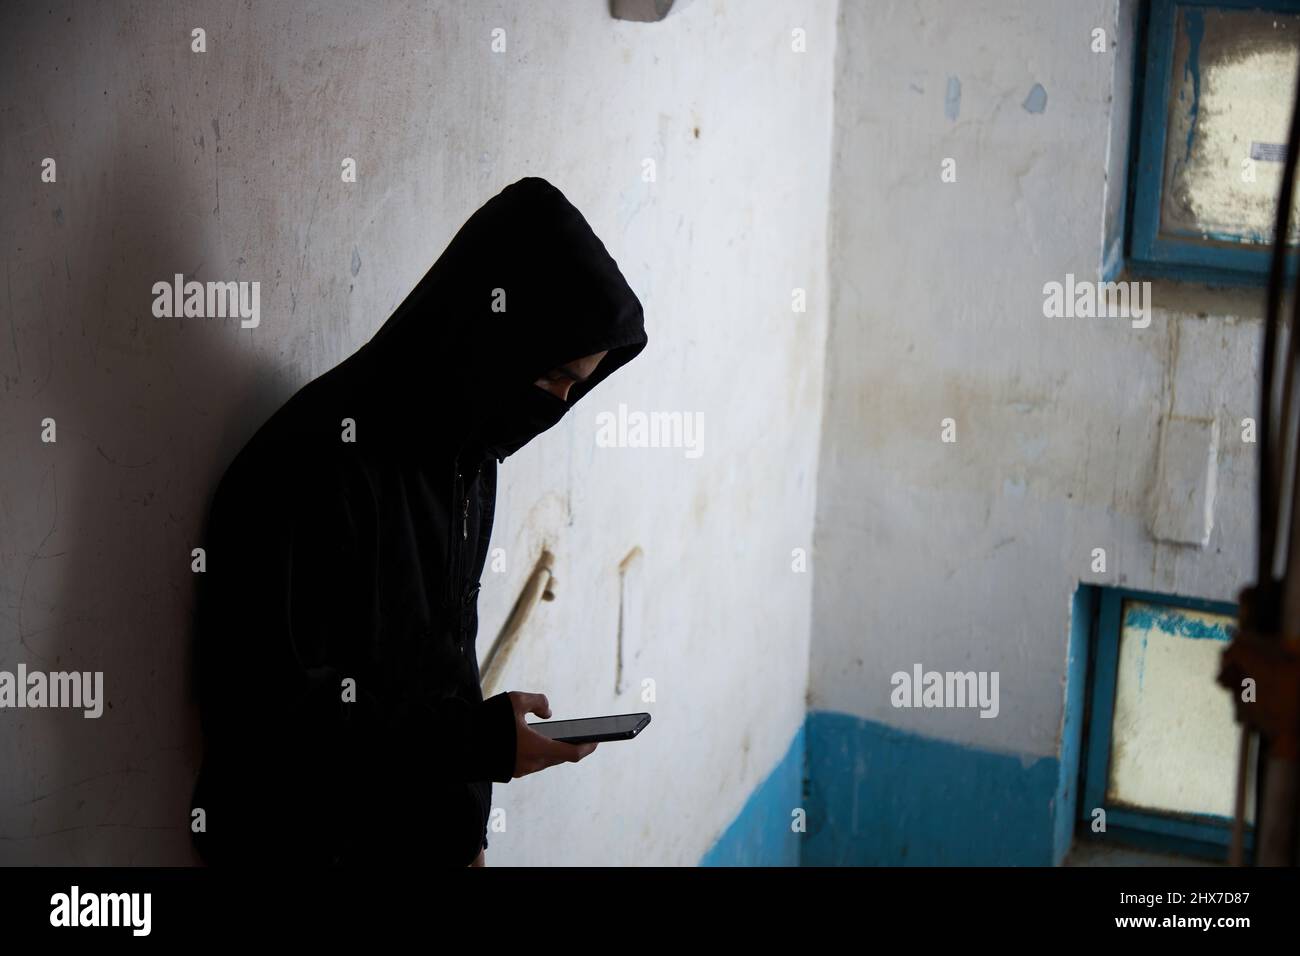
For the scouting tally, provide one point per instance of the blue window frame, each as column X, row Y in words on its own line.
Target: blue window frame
column 1198, row 835
column 1216, row 258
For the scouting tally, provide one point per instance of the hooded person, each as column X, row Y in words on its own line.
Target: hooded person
column 336, row 620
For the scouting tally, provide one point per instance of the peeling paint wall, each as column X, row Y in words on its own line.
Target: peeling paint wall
column 225, row 165
column 964, row 556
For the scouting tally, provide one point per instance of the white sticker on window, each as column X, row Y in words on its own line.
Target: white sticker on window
column 1268, row 152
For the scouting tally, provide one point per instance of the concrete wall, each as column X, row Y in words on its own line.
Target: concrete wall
column 225, row 165
column 965, row 556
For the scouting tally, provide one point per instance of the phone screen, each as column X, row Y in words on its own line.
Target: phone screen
column 589, row 726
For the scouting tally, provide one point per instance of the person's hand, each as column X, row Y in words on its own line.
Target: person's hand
column 533, row 751
column 480, row 860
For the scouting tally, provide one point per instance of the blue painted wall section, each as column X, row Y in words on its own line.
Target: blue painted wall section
column 761, row 834
column 878, row 796
column 884, row 797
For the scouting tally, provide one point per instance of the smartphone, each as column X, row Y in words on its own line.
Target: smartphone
column 593, row 729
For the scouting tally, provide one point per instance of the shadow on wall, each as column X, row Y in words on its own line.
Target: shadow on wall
column 146, row 424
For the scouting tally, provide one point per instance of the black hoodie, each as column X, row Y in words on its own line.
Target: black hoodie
column 336, row 619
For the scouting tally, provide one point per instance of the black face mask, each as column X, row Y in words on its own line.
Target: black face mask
column 517, row 419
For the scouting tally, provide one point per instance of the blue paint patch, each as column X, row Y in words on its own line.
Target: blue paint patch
column 1173, row 621
column 1194, row 21
column 952, row 99
column 1142, row 662
column 879, row 796
column 1036, row 101
column 762, row 833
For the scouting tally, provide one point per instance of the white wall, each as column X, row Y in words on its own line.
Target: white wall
column 964, row 556
column 225, row 165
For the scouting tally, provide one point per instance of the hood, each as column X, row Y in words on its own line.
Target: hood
column 524, row 286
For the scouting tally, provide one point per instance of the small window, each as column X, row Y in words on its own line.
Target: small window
column 1216, row 82
column 1163, row 742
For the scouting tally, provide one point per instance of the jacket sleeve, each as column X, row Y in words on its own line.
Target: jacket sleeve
column 428, row 741
column 289, row 608
column 478, row 739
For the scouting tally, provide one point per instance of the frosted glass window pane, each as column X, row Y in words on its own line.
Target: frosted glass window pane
column 1174, row 738
column 1230, row 100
